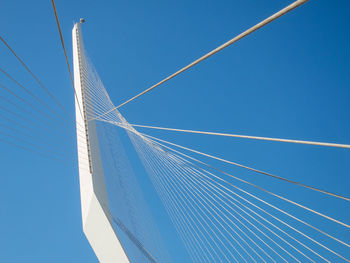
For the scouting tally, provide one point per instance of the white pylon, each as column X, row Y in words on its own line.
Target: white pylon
column 97, row 221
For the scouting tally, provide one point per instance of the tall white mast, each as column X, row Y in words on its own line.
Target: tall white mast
column 96, row 217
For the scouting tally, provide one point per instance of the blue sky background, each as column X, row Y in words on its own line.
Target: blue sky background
column 289, row 80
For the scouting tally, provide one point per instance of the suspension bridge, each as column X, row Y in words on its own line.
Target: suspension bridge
column 217, row 212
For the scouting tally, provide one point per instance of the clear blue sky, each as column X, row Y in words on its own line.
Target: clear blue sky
column 289, row 80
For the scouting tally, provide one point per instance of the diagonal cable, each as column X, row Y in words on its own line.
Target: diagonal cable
column 327, row 144
column 216, row 50
column 65, row 54
column 35, row 77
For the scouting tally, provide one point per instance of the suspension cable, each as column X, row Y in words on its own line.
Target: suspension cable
column 247, row 167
